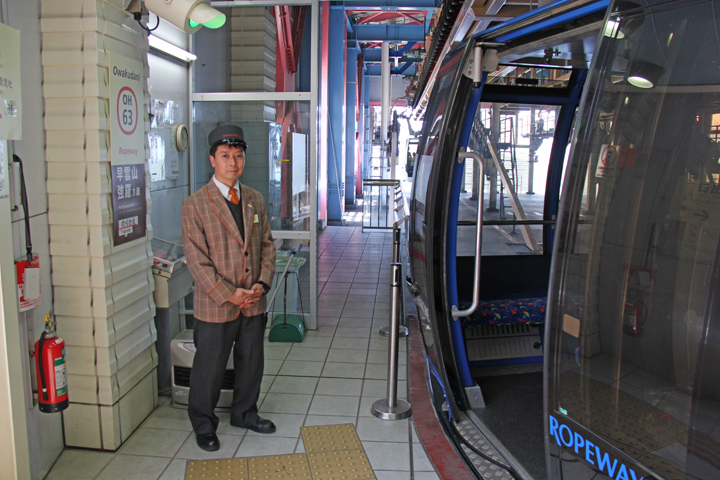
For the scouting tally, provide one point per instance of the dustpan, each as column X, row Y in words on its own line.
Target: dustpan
column 287, row 327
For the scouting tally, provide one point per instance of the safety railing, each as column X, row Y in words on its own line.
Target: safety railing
column 384, row 204
column 392, row 407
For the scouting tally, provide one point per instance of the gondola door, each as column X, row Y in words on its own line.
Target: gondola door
column 435, row 161
column 633, row 385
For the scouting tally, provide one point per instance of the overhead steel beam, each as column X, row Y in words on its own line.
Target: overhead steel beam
column 407, row 47
column 350, row 24
column 428, row 19
column 401, row 70
column 492, row 8
column 375, row 54
column 390, row 33
column 391, row 4
column 375, row 70
column 382, row 15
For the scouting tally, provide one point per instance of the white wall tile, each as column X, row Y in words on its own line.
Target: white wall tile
column 65, row 177
column 110, row 421
column 132, row 345
column 73, row 301
column 76, row 331
column 137, row 405
column 71, row 271
column 83, row 388
column 69, row 240
column 82, row 426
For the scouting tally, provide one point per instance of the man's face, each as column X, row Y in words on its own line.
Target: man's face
column 229, row 162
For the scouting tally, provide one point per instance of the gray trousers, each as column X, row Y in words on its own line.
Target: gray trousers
column 214, row 342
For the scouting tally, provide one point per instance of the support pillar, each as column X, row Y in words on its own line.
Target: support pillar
column 103, row 293
column 385, row 102
column 534, row 143
column 350, row 124
column 323, row 143
column 336, row 113
column 492, row 172
column 368, row 126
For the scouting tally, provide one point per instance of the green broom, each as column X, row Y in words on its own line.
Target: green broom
column 287, row 328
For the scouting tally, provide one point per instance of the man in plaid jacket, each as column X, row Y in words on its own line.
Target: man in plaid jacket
column 231, row 256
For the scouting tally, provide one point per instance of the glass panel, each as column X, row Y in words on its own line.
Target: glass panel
column 276, row 161
column 639, row 253
column 247, row 52
column 521, row 141
column 523, row 76
column 432, row 125
column 431, row 130
column 168, row 163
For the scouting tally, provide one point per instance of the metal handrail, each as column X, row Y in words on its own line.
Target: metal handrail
column 488, row 223
column 396, row 203
column 403, row 207
column 478, row 240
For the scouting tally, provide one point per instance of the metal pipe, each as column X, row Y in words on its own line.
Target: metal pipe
column 391, row 408
column 396, row 245
column 401, row 330
column 395, row 285
column 385, row 101
column 488, row 223
column 393, row 154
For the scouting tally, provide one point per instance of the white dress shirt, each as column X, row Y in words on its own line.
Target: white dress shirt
column 225, row 190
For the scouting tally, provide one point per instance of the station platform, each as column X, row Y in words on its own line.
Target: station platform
column 332, row 377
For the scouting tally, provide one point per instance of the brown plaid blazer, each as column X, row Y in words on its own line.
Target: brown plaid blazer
column 218, row 259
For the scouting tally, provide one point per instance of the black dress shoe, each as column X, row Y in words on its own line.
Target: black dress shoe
column 208, row 442
column 261, row 425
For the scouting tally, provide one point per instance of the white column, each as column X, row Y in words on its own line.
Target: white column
column 385, row 96
column 103, row 294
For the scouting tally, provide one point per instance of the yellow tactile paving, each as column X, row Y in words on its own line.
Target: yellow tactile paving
column 328, row 438
column 279, row 467
column 340, row 465
column 334, row 452
column 235, row 468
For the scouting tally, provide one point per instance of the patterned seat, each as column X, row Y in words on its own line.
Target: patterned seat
column 529, row 311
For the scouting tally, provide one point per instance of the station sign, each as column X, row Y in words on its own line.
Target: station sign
column 127, row 148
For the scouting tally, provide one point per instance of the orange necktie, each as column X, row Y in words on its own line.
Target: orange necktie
column 233, row 196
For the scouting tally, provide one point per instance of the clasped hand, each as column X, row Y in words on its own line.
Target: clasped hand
column 246, row 298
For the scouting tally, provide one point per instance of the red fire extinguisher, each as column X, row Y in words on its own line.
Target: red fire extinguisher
column 51, row 372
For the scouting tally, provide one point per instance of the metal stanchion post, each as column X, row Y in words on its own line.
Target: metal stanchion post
column 392, row 408
column 402, row 330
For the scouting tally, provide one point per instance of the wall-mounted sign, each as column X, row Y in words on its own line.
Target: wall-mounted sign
column 10, row 94
column 127, row 147
column 129, row 203
column 607, row 161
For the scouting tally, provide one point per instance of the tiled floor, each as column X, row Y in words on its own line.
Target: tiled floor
column 332, row 377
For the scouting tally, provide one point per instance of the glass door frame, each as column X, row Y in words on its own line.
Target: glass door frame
column 311, row 97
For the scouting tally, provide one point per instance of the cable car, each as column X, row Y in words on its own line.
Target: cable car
column 563, row 244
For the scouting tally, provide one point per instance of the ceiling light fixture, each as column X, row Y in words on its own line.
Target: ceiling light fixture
column 644, row 74
column 612, row 29
column 187, row 15
column 167, row 47
column 621, row 27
